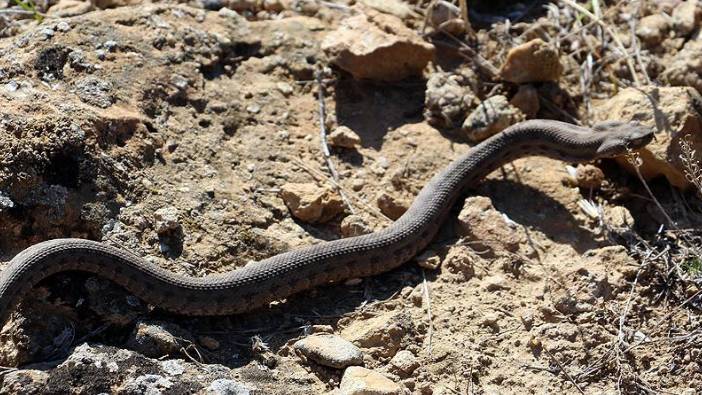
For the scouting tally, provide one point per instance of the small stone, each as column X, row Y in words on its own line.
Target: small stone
column 391, row 206
column 156, row 339
column 167, row 220
column 172, row 367
column 685, row 67
column 227, row 387
column 385, row 39
column 310, row 203
column 491, row 117
column 209, row 343
column 354, row 225
column 533, row 61
column 526, row 100
column 284, row 88
column 480, row 223
column 145, row 384
column 329, row 350
column 686, row 17
column 273, row 5
column 404, row 363
column 653, row 28
column 63, row 26
column 494, row 283
column 253, row 108
column 362, row 381
column 47, row 33
column 459, row 261
column 306, row 7
column 66, row 8
column 343, row 137
column 428, row 260
column 446, row 17
column 589, row 176
column 24, row 381
column 381, row 335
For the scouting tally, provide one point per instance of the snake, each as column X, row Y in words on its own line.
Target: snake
column 259, row 283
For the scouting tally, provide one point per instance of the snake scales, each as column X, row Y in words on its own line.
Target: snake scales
column 279, row 276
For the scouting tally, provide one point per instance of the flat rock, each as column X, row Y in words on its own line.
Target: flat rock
column 531, row 62
column 371, row 45
column 404, row 363
column 362, row 381
column 491, row 116
column 673, row 112
column 381, row 335
column 330, row 350
column 480, row 223
column 344, row 137
column 311, row 203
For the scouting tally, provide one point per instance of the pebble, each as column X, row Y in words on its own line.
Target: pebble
column 63, row 26
column 532, row 61
column 343, row 137
column 686, row 17
column 227, row 387
column 493, row 283
column 156, row 339
column 391, row 206
column 404, row 363
column 284, row 88
column 167, row 220
column 589, row 176
column 329, row 350
column 362, row 381
column 652, row 29
column 384, row 36
column 354, row 225
column 492, row 116
column 311, row 203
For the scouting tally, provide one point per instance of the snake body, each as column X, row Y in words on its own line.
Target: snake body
column 259, row 283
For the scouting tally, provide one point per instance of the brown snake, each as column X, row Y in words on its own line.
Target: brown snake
column 277, row 277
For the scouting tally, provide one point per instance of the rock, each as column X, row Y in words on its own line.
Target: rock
column 685, row 68
column 459, row 261
column 490, row 320
column 490, row 117
column 95, row 91
column 310, row 203
column 446, row 17
column 368, row 46
column 306, row 7
column 391, row 206
column 532, row 61
column 652, row 29
column 156, row 339
column 393, row 7
column 673, row 112
column 618, row 217
column 480, row 223
column 381, row 335
column 242, row 5
column 329, row 350
column 27, row 381
column 274, row 5
column 428, row 260
column 588, row 176
column 496, row 282
column 404, row 363
column 102, row 4
column 167, row 220
column 448, row 98
column 362, row 381
column 66, row 8
column 526, row 100
column 146, row 384
column 686, row 17
column 343, row 137
column 354, row 225
column 227, row 387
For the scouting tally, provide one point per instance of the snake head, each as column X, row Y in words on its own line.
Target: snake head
column 618, row 138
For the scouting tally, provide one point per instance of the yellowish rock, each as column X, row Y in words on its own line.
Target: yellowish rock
column 531, row 62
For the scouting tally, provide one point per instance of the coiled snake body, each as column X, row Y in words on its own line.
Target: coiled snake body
column 279, row 276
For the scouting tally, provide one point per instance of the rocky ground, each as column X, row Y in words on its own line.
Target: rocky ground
column 190, row 134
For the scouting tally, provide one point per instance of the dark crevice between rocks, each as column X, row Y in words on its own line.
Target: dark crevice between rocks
column 232, row 56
